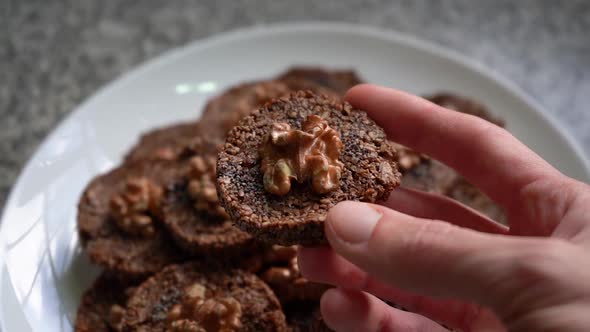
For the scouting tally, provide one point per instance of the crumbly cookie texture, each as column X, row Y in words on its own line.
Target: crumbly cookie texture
column 368, row 169
column 165, row 143
column 224, row 111
column 203, row 298
column 119, row 222
column 191, row 212
column 338, row 81
column 102, row 306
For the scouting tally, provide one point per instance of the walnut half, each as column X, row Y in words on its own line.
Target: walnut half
column 132, row 209
column 308, row 154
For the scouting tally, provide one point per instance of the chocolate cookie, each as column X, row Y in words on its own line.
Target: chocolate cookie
column 281, row 272
column 102, row 306
column 338, row 81
column 298, row 84
column 193, row 297
column 191, row 212
column 333, row 152
column 305, row 316
column 118, row 220
column 224, row 111
column 163, row 143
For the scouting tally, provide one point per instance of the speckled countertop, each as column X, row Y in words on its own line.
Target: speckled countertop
column 54, row 54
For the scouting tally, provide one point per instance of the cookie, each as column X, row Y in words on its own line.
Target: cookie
column 102, row 306
column 194, row 297
column 191, row 211
column 315, row 153
column 298, row 84
column 305, row 316
column 281, row 272
column 224, row 111
column 338, row 81
column 163, row 143
column 118, row 220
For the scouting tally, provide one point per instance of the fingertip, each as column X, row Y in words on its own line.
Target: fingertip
column 351, row 223
column 357, row 91
column 342, row 210
column 350, row 310
column 344, row 309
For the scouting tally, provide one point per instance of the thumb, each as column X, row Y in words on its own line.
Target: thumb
column 427, row 257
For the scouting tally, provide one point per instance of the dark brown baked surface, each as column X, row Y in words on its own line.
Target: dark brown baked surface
column 163, row 143
column 298, row 84
column 338, row 81
column 224, row 111
column 165, row 299
column 198, row 232
column 109, row 246
column 369, row 173
column 102, row 306
column 198, row 223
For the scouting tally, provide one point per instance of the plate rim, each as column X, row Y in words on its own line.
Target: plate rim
column 261, row 30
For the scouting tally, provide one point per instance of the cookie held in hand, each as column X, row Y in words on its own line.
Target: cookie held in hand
column 286, row 164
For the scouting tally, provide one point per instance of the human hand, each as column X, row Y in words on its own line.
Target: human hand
column 448, row 263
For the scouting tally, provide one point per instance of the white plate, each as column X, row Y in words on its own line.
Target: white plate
column 43, row 271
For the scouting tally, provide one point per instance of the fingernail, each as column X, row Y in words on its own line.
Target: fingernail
column 353, row 222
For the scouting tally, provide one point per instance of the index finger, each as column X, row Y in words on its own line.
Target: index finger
column 487, row 155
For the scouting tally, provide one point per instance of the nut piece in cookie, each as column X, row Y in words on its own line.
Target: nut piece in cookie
column 281, row 272
column 102, row 306
column 118, row 219
column 362, row 168
column 338, row 81
column 192, row 213
column 308, row 154
column 133, row 208
column 194, row 297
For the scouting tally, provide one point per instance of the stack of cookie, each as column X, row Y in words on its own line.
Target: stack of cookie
column 198, row 229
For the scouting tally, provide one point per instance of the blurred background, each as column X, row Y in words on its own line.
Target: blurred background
column 56, row 53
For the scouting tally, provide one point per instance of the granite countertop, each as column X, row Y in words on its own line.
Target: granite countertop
column 55, row 54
